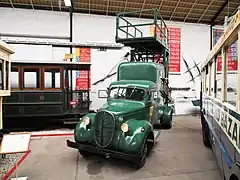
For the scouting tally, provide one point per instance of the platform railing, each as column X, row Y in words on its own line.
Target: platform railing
column 159, row 27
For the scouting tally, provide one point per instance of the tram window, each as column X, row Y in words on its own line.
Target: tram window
column 232, row 75
column 14, row 77
column 52, row 78
column 31, row 77
column 1, row 75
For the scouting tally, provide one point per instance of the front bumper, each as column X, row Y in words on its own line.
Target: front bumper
column 106, row 152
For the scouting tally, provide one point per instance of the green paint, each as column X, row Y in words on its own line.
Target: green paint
column 144, row 114
column 135, row 100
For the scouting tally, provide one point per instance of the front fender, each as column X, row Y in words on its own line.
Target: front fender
column 133, row 140
column 82, row 132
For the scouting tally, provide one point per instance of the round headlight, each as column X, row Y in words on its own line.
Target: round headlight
column 86, row 120
column 124, row 127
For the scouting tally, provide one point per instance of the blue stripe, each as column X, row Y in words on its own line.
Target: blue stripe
column 226, row 155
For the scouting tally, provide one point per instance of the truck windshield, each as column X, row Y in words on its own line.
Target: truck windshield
column 129, row 93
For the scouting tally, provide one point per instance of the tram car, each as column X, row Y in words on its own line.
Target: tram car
column 42, row 89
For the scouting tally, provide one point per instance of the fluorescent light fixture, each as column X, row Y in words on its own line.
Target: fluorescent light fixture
column 67, row 3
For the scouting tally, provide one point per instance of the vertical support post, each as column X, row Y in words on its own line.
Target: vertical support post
column 209, row 79
column 214, row 78
column 224, row 74
column 1, row 112
column 211, row 37
column 71, row 39
column 4, row 75
column 117, row 25
column 238, row 78
column 155, row 23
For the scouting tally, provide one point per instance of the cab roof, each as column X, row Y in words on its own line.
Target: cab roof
column 138, row 83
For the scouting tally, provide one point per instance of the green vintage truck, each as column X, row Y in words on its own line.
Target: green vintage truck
column 137, row 107
column 128, row 125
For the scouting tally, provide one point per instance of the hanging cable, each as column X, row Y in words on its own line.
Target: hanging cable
column 110, row 74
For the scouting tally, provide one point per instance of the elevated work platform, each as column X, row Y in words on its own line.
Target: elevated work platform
column 148, row 39
column 152, row 36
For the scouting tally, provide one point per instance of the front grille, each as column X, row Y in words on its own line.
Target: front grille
column 104, row 128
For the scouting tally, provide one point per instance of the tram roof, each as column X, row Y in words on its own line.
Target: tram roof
column 69, row 65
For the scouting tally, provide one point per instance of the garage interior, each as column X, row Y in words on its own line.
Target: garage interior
column 78, row 39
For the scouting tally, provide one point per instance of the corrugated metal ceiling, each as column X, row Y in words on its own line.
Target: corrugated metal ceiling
column 194, row 11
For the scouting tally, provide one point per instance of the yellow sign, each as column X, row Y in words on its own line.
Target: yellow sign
column 68, row 56
column 151, row 111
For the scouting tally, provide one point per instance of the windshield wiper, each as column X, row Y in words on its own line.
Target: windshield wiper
column 132, row 92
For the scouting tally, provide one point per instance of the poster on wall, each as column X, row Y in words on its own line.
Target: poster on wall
column 232, row 52
column 174, row 45
column 83, row 54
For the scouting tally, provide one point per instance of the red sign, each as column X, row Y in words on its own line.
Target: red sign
column 232, row 64
column 174, row 45
column 83, row 77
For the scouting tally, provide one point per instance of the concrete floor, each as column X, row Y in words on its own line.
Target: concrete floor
column 178, row 155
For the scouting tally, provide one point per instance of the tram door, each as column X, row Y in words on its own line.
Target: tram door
column 76, row 101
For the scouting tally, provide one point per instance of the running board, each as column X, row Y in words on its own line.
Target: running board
column 70, row 121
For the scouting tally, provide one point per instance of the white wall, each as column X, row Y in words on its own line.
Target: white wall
column 195, row 42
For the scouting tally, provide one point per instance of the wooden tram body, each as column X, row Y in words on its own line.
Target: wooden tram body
column 42, row 89
column 5, row 64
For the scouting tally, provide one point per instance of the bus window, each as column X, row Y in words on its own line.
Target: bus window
column 219, row 76
column 232, row 68
column 212, row 79
column 31, row 77
column 207, row 78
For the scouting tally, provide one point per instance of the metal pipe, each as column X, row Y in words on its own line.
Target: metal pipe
column 71, row 38
column 33, row 36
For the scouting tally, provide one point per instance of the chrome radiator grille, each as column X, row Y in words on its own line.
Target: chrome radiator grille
column 104, row 128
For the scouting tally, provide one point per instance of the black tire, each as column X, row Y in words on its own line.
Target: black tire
column 85, row 154
column 206, row 135
column 141, row 162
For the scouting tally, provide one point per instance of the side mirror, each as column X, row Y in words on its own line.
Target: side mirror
column 102, row 93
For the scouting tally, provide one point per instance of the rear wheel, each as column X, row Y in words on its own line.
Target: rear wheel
column 206, row 135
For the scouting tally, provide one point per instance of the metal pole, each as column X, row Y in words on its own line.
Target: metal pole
column 71, row 34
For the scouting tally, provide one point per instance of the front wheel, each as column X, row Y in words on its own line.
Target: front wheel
column 141, row 162
column 85, row 154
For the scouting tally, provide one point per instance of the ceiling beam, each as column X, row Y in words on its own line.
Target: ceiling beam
column 52, row 4
column 205, row 11
column 219, row 11
column 11, row 3
column 190, row 10
column 32, row 4
column 142, row 8
column 89, row 6
column 174, row 10
column 160, row 5
column 107, row 7
column 125, row 5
